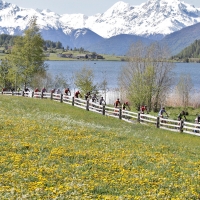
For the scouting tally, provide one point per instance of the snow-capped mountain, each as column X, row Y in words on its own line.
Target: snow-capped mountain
column 14, row 19
column 153, row 19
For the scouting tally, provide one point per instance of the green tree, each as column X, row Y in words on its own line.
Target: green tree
column 192, row 51
column 27, row 54
column 4, row 71
column 147, row 76
column 67, row 47
column 184, row 88
column 59, row 45
column 81, row 50
column 84, row 80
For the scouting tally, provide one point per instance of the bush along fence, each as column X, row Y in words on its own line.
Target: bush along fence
column 131, row 117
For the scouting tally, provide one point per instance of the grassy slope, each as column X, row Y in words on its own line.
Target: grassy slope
column 53, row 56
column 50, row 150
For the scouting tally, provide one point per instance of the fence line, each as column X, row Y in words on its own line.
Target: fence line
column 131, row 117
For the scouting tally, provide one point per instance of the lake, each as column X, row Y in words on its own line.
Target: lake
column 111, row 70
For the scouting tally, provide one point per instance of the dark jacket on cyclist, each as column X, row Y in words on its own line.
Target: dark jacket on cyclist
column 181, row 115
column 161, row 112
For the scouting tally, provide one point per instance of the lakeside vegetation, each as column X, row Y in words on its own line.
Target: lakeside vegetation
column 51, row 150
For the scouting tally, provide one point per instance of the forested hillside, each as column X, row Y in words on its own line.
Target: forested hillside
column 190, row 53
column 8, row 40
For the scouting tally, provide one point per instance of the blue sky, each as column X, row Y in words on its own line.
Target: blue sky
column 87, row 7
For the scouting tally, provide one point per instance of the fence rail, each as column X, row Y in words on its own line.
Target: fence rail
column 191, row 128
column 131, row 117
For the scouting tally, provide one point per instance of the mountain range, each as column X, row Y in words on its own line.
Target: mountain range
column 167, row 21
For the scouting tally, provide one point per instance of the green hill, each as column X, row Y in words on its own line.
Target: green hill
column 51, row 150
column 190, row 53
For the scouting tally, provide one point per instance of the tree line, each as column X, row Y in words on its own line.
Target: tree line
column 192, row 51
column 8, row 40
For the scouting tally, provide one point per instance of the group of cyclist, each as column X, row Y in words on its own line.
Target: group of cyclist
column 124, row 106
column 93, row 97
column 163, row 114
column 117, row 104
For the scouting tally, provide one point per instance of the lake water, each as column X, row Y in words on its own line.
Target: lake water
column 111, row 70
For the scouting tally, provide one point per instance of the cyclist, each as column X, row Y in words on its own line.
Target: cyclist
column 68, row 92
column 125, row 106
column 143, row 109
column 44, row 90
column 102, row 101
column 181, row 115
column 117, row 103
column 77, row 94
column 58, row 91
column 161, row 112
column 53, row 90
column 87, row 95
column 197, row 120
column 94, row 98
column 36, row 90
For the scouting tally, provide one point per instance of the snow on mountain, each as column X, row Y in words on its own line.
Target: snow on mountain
column 84, row 38
column 151, row 18
column 155, row 18
column 14, row 18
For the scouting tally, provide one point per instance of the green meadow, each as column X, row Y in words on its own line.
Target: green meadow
column 50, row 150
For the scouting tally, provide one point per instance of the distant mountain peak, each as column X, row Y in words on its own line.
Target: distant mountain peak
column 120, row 5
column 4, row 4
column 48, row 11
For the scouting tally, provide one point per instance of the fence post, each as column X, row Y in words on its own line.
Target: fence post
column 103, row 110
column 120, row 113
column 139, row 117
column 72, row 101
column 181, row 126
column 61, row 98
column 158, row 122
column 87, row 105
column 64, row 97
column 32, row 94
column 42, row 94
column 23, row 93
column 51, row 95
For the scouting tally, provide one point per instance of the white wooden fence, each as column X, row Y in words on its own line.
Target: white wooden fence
column 131, row 117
